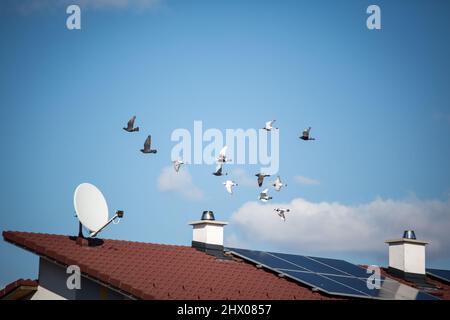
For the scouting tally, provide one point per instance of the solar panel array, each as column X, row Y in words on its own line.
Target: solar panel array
column 332, row 276
column 443, row 275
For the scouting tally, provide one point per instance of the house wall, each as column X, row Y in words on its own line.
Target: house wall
column 44, row 294
column 53, row 279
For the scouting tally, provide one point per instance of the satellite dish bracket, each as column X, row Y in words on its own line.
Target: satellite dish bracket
column 80, row 230
column 119, row 214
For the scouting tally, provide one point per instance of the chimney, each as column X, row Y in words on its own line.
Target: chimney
column 407, row 257
column 207, row 235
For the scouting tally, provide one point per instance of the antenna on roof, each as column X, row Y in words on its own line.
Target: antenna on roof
column 91, row 209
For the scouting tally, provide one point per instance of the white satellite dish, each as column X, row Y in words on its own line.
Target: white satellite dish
column 92, row 209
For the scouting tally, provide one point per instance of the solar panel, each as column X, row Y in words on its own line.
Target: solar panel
column 344, row 266
column 268, row 260
column 443, row 275
column 425, row 296
column 308, row 264
column 325, row 284
column 331, row 276
column 359, row 284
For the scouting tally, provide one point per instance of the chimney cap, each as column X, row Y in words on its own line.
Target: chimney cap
column 208, row 219
column 409, row 234
column 208, row 215
column 404, row 240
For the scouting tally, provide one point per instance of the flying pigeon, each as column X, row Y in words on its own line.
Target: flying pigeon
column 218, row 171
column 229, row 186
column 177, row 164
column 130, row 125
column 269, row 125
column 261, row 177
column 223, row 155
column 281, row 213
column 305, row 136
column 264, row 196
column 278, row 184
column 148, row 145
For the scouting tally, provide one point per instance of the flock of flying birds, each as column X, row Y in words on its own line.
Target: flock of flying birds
column 222, row 159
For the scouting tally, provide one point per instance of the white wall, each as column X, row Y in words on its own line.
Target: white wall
column 396, row 256
column 407, row 256
column 44, row 294
column 211, row 233
column 414, row 258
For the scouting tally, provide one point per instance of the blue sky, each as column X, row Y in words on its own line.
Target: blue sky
column 378, row 102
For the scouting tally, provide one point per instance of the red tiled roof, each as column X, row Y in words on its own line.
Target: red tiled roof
column 155, row 271
column 17, row 284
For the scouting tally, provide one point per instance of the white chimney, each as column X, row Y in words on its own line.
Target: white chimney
column 207, row 234
column 407, row 256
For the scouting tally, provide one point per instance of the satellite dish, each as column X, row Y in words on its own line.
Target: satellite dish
column 92, row 209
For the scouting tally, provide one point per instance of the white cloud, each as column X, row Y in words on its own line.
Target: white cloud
column 306, row 181
column 334, row 227
column 181, row 183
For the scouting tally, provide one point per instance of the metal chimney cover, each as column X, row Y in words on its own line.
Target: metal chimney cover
column 208, row 215
column 409, row 234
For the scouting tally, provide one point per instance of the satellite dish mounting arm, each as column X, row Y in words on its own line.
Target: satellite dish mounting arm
column 80, row 230
column 119, row 214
